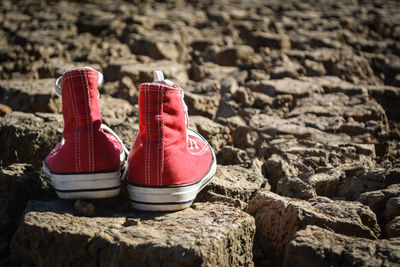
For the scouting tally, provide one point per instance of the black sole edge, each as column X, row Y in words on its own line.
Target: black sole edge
column 161, row 203
column 86, row 190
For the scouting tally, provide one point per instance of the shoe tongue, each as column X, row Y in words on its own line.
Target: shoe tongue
column 159, row 78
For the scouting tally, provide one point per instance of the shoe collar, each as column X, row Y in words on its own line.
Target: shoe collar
column 58, row 86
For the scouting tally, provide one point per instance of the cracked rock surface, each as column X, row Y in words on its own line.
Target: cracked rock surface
column 300, row 101
column 202, row 235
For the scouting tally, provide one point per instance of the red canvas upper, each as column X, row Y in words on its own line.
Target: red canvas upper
column 85, row 148
column 161, row 154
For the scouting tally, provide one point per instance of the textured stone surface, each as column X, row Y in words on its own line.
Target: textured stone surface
column 29, row 138
column 233, row 183
column 301, row 96
column 143, row 72
column 19, row 183
column 314, row 246
column 114, row 110
column 285, row 86
column 30, row 95
column 383, row 202
column 216, row 134
column 392, row 229
column 279, row 218
column 203, row 235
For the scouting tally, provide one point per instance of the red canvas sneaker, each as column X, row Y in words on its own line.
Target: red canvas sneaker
column 87, row 161
column 168, row 163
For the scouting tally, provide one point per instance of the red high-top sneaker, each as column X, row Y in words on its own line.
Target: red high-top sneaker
column 86, row 163
column 168, row 163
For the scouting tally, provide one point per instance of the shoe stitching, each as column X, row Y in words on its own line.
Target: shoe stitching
column 85, row 84
column 77, row 133
column 147, row 135
column 162, row 137
column 91, row 119
column 159, row 121
column 158, row 132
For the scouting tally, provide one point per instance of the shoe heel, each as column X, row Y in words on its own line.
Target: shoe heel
column 87, row 185
column 167, row 198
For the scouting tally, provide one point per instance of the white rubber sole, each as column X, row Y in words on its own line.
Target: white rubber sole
column 86, row 185
column 169, row 198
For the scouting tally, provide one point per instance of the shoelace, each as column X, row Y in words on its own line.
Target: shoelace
column 159, row 78
column 58, row 89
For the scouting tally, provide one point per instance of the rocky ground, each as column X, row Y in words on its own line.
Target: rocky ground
column 299, row 99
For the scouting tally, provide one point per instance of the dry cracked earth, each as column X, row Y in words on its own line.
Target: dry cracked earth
column 299, row 99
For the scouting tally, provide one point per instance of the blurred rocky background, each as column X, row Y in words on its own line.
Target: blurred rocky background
column 299, row 99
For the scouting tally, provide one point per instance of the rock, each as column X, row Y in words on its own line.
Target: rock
column 227, row 107
column 29, row 137
column 114, row 110
column 392, row 229
column 314, row 68
column 279, row 218
column 302, row 95
column 377, row 200
column 261, row 100
column 353, row 116
column 155, row 44
column 84, row 208
column 197, row 72
column 95, row 21
column 234, row 56
column 332, row 84
column 232, row 155
column 305, row 39
column 56, row 67
column 202, row 104
column 341, row 63
column 127, row 131
column 291, row 70
column 302, row 168
column 141, row 73
column 315, row 246
column 274, row 126
column 19, row 183
column 258, row 75
column 205, row 234
column 244, row 137
column 283, row 101
column 369, row 180
column 388, row 97
column 233, row 182
column 270, row 40
column 127, row 89
column 4, row 110
column 218, row 16
column 392, row 208
column 290, row 86
column 244, row 96
column 216, row 134
column 276, row 168
column 30, row 95
column 293, row 186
